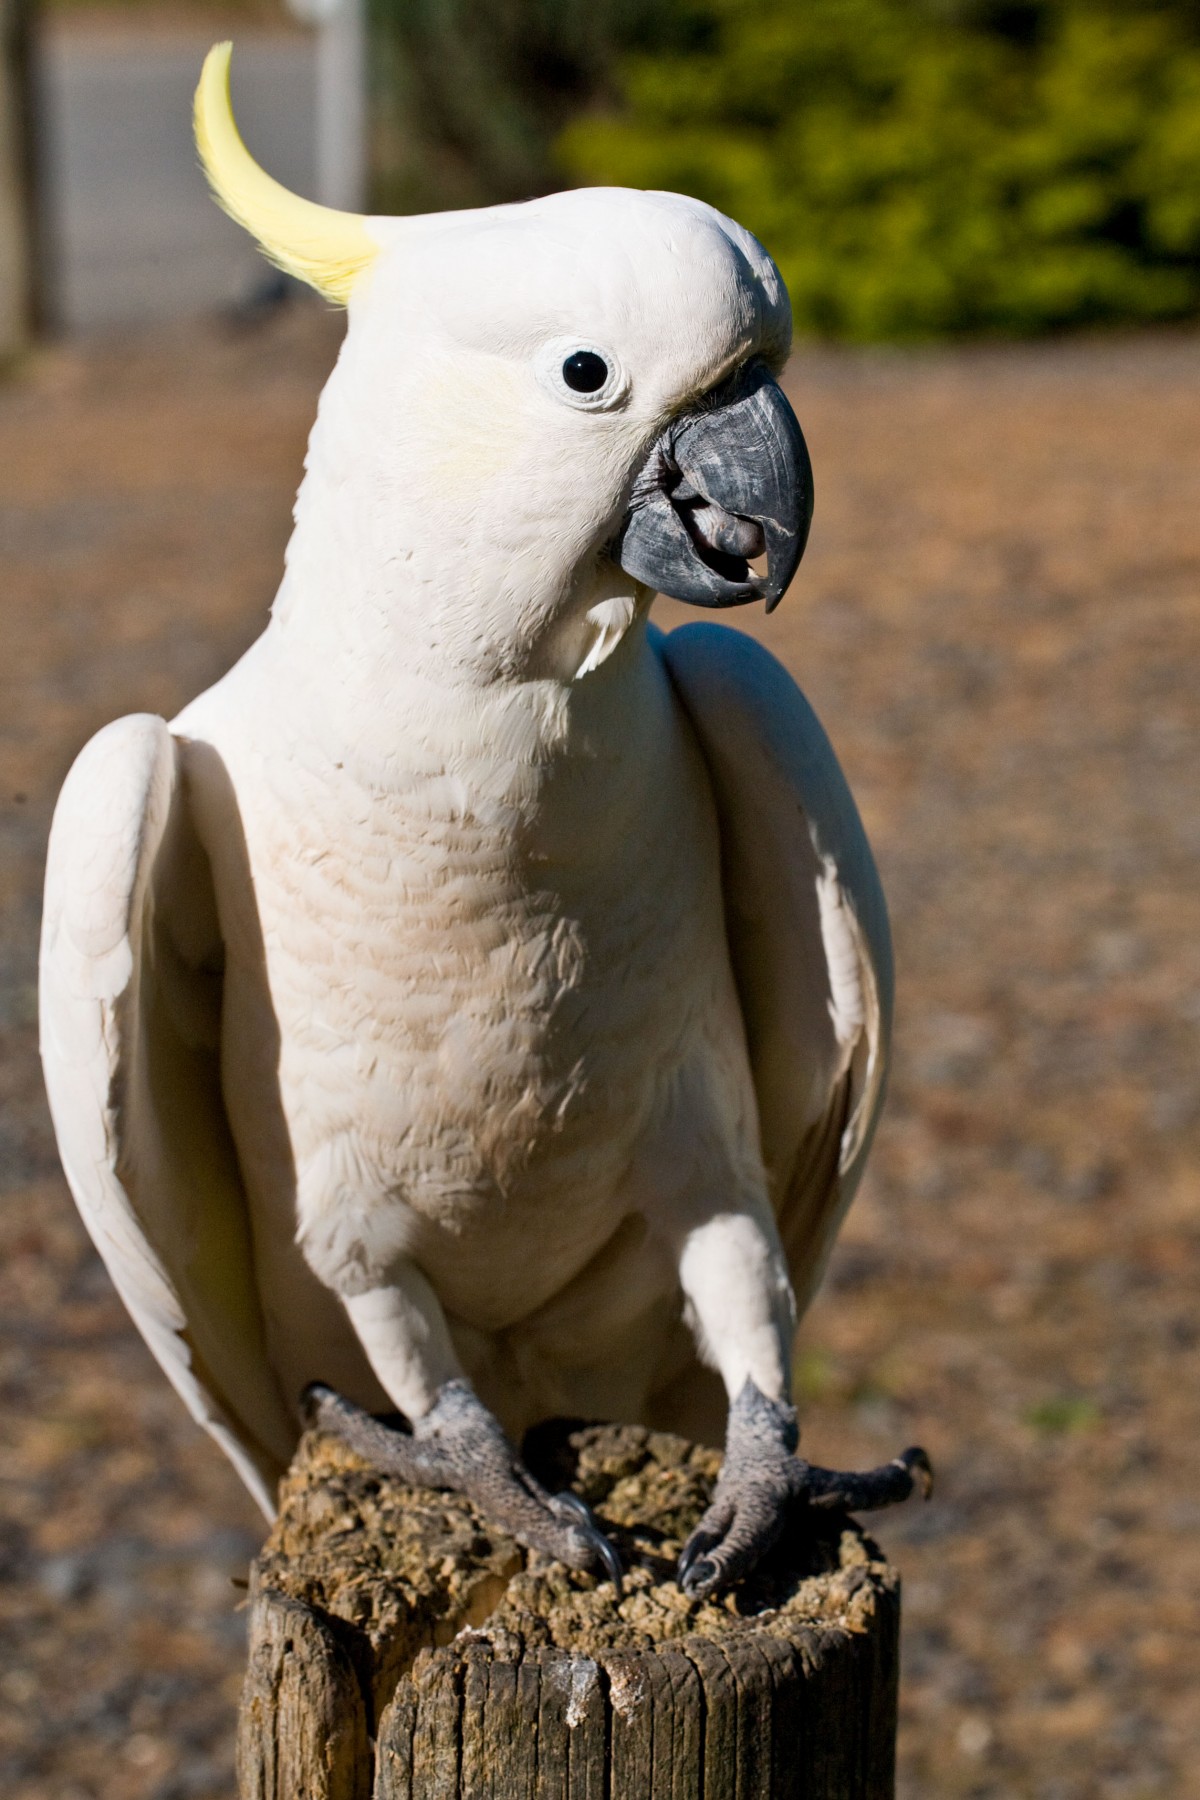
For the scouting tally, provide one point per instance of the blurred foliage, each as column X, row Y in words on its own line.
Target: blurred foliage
column 928, row 167
column 919, row 168
column 469, row 95
column 1064, row 1413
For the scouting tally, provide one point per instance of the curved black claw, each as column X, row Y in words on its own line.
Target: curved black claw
column 753, row 1496
column 312, row 1399
column 697, row 1572
column 702, row 1539
column 460, row 1445
column 763, row 1485
column 605, row 1551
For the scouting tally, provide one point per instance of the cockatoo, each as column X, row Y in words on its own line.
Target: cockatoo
column 475, row 1005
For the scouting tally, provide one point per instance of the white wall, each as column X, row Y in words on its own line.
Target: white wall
column 136, row 238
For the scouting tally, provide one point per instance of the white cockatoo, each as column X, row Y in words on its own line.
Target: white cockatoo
column 476, row 1004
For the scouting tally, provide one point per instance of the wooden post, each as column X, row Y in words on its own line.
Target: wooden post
column 401, row 1650
column 18, row 259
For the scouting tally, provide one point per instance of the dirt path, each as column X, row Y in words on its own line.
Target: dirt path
column 999, row 620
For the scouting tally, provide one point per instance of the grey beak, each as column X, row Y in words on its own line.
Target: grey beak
column 726, row 482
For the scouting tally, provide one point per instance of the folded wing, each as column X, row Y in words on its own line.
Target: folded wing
column 807, row 925
column 130, row 1018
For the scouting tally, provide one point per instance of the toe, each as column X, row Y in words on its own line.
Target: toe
column 713, row 1558
column 707, row 1535
column 320, row 1404
column 919, row 1467
column 733, row 1538
column 867, row 1490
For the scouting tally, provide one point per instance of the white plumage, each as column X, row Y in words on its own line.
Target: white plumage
column 475, row 981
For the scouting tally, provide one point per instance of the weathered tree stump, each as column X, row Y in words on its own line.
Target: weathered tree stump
column 402, row 1650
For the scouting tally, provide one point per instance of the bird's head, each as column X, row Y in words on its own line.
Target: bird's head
column 570, row 397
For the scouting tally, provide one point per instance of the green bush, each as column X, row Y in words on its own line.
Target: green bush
column 920, row 167
column 468, row 95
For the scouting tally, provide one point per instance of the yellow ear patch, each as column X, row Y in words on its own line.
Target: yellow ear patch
column 328, row 249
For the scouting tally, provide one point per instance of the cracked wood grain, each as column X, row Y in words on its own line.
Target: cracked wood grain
column 401, row 1650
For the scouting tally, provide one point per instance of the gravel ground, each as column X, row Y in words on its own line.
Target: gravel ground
column 999, row 621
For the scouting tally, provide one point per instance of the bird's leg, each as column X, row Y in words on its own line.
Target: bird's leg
column 732, row 1273
column 454, row 1441
column 764, row 1486
column 459, row 1444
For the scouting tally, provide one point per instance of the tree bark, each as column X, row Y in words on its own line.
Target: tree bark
column 19, row 291
column 400, row 1649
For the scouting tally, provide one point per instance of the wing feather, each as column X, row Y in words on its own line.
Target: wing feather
column 807, row 924
column 130, row 1008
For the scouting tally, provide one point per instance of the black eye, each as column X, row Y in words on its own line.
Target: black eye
column 585, row 372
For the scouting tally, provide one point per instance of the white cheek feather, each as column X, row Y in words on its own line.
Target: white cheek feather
column 481, row 414
column 610, row 620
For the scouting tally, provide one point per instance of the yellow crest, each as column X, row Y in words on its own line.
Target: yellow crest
column 326, row 248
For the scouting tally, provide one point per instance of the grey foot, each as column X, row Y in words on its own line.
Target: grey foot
column 459, row 1444
column 763, row 1483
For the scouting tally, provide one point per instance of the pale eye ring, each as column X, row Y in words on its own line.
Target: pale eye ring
column 582, row 375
